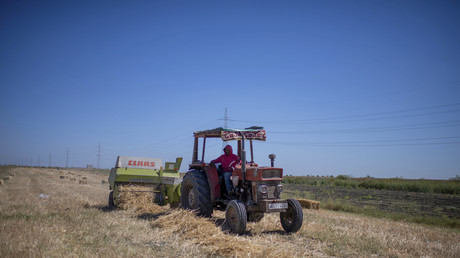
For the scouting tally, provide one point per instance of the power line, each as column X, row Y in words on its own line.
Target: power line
column 185, row 133
column 362, row 117
column 369, row 145
column 343, row 120
column 451, row 123
column 376, row 142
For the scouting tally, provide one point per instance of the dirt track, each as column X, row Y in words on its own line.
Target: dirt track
column 43, row 215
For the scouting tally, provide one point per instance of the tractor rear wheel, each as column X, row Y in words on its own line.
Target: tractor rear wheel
column 235, row 216
column 292, row 218
column 195, row 193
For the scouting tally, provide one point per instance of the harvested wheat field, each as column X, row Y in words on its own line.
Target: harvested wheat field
column 44, row 213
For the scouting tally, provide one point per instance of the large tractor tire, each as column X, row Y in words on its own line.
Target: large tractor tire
column 292, row 218
column 255, row 217
column 235, row 217
column 195, row 193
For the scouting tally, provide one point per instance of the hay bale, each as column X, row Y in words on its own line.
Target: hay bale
column 83, row 182
column 103, row 182
column 309, row 204
column 84, row 178
column 12, row 174
column 62, row 177
column 305, row 203
column 1, row 182
column 6, row 178
column 139, row 198
column 316, row 205
column 72, row 179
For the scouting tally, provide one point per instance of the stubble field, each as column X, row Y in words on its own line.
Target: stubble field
column 42, row 214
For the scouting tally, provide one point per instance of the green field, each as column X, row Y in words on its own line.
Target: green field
column 431, row 202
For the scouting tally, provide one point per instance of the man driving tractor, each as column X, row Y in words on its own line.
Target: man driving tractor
column 228, row 162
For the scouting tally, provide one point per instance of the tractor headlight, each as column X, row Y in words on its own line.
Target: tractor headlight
column 263, row 189
column 279, row 188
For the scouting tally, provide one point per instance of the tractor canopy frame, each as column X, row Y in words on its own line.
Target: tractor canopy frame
column 227, row 134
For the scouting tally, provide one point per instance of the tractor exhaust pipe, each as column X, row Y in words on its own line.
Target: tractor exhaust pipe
column 272, row 159
column 243, row 164
column 243, row 158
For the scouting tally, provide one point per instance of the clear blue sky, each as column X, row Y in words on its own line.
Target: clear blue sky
column 342, row 87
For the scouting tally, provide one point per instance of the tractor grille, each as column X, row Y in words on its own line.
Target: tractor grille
column 271, row 188
column 272, row 173
column 271, row 191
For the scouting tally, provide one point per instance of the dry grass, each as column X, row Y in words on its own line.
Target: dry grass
column 209, row 235
column 43, row 215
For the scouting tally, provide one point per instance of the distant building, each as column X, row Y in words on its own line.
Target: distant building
column 89, row 167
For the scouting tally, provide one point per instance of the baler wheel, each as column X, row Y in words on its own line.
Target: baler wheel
column 159, row 198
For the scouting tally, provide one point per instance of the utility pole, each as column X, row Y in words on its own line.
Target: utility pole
column 226, row 119
column 67, row 159
column 225, row 127
column 39, row 160
column 49, row 160
column 99, row 155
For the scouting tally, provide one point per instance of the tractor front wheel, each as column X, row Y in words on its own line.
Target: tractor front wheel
column 195, row 193
column 292, row 218
column 235, row 216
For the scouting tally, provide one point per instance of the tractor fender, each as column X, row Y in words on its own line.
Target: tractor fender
column 213, row 180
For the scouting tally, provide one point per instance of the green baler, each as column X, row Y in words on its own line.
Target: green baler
column 163, row 182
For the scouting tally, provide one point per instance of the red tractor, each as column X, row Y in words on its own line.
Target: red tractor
column 257, row 190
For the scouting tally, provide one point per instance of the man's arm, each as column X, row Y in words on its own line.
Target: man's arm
column 214, row 161
column 233, row 164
